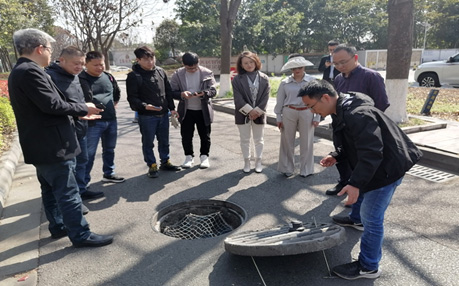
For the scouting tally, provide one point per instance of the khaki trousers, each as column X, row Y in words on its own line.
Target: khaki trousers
column 293, row 121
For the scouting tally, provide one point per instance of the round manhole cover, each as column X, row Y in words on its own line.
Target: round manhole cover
column 296, row 238
column 198, row 219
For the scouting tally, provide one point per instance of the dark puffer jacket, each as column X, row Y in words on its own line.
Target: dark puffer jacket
column 378, row 151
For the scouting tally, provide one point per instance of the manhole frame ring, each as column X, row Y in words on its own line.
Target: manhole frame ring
column 157, row 218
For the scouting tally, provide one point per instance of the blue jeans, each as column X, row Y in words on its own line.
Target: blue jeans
column 81, row 162
column 107, row 131
column 61, row 199
column 151, row 127
column 369, row 210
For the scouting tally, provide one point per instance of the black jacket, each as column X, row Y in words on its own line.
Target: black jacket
column 378, row 151
column 149, row 87
column 43, row 116
column 70, row 86
column 326, row 70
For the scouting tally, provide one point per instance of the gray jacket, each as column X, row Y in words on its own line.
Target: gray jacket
column 178, row 84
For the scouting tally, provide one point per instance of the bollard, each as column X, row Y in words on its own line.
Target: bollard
column 429, row 101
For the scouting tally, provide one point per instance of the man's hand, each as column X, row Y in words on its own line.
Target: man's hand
column 352, row 194
column 153, row 108
column 315, row 123
column 280, row 125
column 92, row 109
column 91, row 117
column 175, row 113
column 328, row 161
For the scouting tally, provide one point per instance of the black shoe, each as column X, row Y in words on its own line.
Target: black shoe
column 95, row 240
column 112, row 179
column 354, row 270
column 153, row 171
column 346, row 221
column 88, row 195
column 84, row 209
column 60, row 234
column 169, row 167
column 335, row 190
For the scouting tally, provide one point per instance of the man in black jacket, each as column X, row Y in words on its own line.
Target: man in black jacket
column 149, row 93
column 326, row 63
column 47, row 136
column 379, row 154
column 65, row 75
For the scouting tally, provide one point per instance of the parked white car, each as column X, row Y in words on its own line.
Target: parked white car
column 119, row 68
column 436, row 74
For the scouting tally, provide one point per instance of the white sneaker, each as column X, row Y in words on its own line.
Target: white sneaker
column 189, row 162
column 204, row 162
column 258, row 166
column 246, row 166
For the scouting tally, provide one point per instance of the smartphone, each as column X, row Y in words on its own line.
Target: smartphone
column 100, row 105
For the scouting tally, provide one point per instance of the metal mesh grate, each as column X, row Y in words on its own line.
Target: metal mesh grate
column 430, row 174
column 194, row 226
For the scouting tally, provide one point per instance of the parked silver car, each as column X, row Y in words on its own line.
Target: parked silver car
column 436, row 74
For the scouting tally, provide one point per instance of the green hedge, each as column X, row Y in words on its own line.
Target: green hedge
column 7, row 120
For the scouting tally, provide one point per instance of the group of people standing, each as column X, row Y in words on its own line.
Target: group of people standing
column 71, row 110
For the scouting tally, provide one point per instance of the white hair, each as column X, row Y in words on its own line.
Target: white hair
column 26, row 40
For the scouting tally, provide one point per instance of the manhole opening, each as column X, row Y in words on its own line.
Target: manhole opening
column 199, row 219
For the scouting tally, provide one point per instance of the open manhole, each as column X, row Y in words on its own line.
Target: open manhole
column 291, row 239
column 199, row 219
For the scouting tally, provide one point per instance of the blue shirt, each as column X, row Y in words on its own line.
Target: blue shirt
column 366, row 81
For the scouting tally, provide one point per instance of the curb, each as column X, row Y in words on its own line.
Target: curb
column 8, row 163
column 432, row 157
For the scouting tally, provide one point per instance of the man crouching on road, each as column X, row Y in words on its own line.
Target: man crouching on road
column 48, row 139
column 379, row 153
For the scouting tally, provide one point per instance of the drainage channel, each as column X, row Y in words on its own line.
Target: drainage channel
column 430, row 174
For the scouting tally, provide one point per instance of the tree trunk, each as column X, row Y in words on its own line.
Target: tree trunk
column 228, row 12
column 400, row 34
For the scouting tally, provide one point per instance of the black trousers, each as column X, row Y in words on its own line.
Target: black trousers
column 195, row 118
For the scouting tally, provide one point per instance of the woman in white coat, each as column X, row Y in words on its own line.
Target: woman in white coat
column 251, row 93
column 292, row 116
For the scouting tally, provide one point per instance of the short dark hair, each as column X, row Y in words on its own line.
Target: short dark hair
column 144, row 52
column 333, row 43
column 351, row 50
column 316, row 88
column 190, row 59
column 92, row 55
column 71, row 51
column 250, row 55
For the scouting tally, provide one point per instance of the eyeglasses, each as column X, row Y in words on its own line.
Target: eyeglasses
column 312, row 106
column 50, row 49
column 342, row 63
